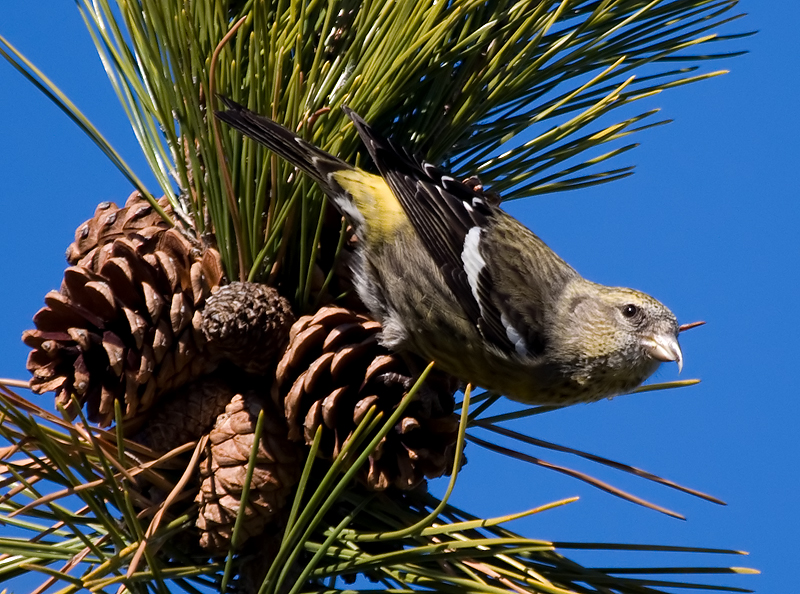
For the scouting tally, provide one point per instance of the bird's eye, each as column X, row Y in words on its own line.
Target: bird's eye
column 630, row 310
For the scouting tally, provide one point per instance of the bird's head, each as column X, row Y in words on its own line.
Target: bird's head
column 618, row 333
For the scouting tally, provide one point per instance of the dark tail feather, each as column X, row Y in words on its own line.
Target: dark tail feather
column 283, row 142
column 371, row 139
column 384, row 153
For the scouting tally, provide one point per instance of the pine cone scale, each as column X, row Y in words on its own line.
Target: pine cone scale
column 115, row 350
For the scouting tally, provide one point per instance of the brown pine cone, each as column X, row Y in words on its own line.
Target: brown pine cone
column 277, row 469
column 334, row 370
column 125, row 323
column 247, row 324
column 185, row 414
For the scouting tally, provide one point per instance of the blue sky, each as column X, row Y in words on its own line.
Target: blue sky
column 709, row 225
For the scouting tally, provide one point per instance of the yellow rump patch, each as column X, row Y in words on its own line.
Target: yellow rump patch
column 375, row 201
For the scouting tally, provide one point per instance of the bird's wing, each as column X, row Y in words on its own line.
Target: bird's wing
column 449, row 218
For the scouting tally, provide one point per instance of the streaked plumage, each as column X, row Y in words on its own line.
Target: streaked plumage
column 455, row 279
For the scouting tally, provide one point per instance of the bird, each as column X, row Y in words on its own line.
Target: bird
column 456, row 280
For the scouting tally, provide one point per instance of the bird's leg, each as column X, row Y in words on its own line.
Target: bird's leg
column 437, row 382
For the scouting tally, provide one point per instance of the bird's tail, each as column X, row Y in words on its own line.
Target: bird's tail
column 305, row 156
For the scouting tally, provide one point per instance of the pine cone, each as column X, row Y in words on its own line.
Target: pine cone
column 247, row 324
column 110, row 222
column 186, row 414
column 124, row 325
column 334, row 370
column 277, row 470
